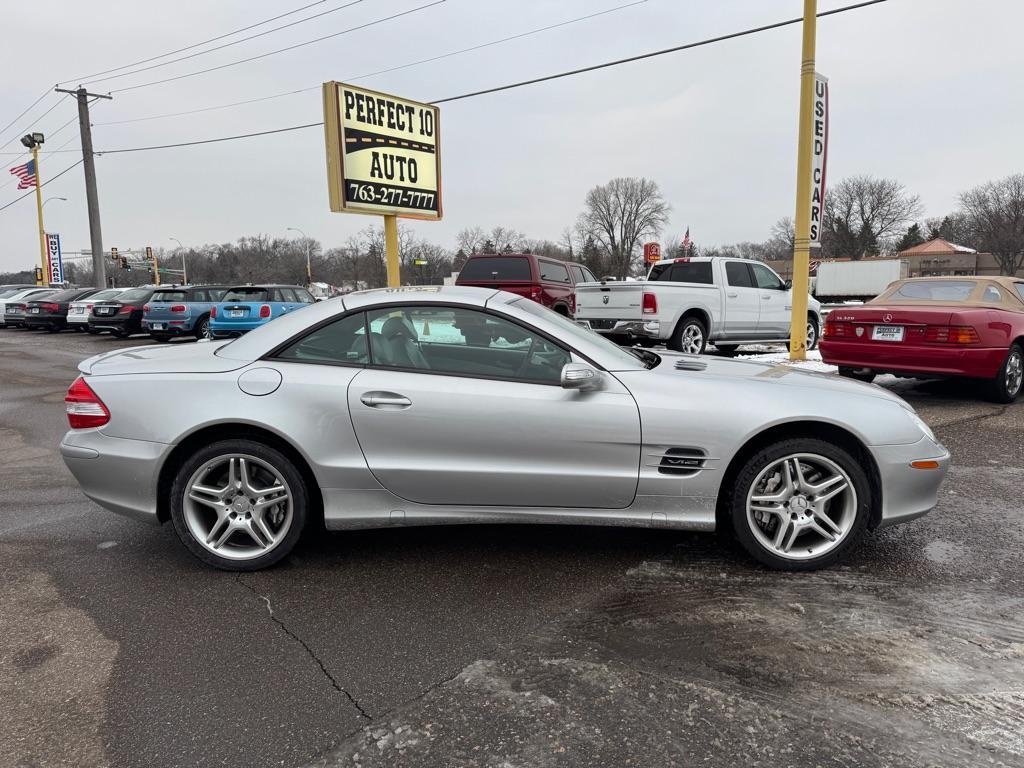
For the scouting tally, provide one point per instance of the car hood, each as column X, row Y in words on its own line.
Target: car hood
column 179, row 358
column 676, row 364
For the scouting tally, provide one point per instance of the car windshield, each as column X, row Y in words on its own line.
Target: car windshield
column 499, row 268
column 8, row 292
column 571, row 330
column 60, row 295
column 246, row 294
column 936, row 290
column 136, row 294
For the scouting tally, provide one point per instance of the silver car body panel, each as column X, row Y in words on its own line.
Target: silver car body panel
column 482, row 450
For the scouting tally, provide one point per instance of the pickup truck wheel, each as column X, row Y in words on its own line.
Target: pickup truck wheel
column 690, row 337
column 811, row 342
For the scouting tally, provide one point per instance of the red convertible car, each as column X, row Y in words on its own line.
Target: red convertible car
column 929, row 327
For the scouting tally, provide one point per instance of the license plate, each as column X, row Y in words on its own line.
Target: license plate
column 104, row 310
column 77, row 310
column 236, row 313
column 156, row 326
column 34, row 310
column 887, row 333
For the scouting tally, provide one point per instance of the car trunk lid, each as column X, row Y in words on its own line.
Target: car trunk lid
column 184, row 358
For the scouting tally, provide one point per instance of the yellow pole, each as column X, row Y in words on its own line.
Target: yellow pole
column 802, row 240
column 391, row 250
column 39, row 211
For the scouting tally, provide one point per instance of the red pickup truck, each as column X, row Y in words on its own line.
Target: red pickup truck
column 547, row 281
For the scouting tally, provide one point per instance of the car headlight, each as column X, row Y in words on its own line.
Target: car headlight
column 922, row 426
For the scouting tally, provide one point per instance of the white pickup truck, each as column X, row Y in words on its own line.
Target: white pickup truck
column 691, row 302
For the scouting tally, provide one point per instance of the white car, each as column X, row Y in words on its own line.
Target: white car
column 78, row 311
column 16, row 297
column 688, row 303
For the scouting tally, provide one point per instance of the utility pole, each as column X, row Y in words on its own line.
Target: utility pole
column 43, row 260
column 802, row 239
column 92, row 199
column 154, row 265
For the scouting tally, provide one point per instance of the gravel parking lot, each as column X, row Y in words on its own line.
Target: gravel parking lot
column 505, row 646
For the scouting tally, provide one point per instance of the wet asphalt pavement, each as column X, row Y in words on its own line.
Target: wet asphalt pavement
column 505, row 646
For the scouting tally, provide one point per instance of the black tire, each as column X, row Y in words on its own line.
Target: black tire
column 118, row 334
column 53, row 329
column 162, row 338
column 281, row 464
column 202, row 327
column 1006, row 387
column 686, row 327
column 728, row 350
column 772, row 453
column 860, row 374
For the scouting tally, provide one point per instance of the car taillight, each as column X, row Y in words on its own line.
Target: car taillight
column 145, row 308
column 126, row 309
column 951, row 334
column 49, row 307
column 834, row 328
column 650, row 304
column 20, row 307
column 213, row 311
column 177, row 308
column 83, row 406
column 265, row 310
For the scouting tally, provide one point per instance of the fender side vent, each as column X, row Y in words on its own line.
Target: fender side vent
column 685, row 462
column 688, row 364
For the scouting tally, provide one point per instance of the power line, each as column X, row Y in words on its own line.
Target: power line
column 662, row 52
column 32, row 191
column 522, row 83
column 27, row 109
column 225, row 45
column 34, row 121
column 383, row 71
column 194, row 45
column 280, row 50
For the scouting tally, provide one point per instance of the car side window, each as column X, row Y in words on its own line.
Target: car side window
column 343, row 341
column 766, row 278
column 588, row 276
column 198, row 295
column 1020, row 290
column 288, row 295
column 552, row 272
column 304, row 297
column 737, row 273
column 992, row 294
column 462, row 341
column 577, row 273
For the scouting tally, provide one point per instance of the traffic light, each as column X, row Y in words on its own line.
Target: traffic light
column 113, row 254
column 125, row 264
column 154, row 268
column 39, row 276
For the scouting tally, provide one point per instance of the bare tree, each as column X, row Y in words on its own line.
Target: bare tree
column 619, row 214
column 470, row 240
column 995, row 213
column 863, row 214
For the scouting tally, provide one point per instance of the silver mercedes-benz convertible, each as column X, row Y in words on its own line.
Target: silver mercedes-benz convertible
column 421, row 406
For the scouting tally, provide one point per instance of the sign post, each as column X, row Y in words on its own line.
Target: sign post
column 384, row 158
column 54, row 259
column 809, row 126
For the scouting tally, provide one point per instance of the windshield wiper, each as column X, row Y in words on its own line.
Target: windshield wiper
column 645, row 356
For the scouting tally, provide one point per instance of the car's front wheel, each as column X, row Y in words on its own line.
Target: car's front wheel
column 800, row 504
column 239, row 505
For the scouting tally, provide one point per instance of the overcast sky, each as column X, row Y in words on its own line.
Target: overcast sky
column 924, row 91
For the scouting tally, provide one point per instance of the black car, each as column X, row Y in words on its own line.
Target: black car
column 14, row 311
column 50, row 313
column 121, row 316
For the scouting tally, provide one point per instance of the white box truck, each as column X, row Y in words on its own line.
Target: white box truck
column 856, row 280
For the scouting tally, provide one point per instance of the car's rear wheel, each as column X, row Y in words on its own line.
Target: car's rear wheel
column 811, row 340
column 202, row 329
column 800, row 504
column 860, row 374
column 1006, row 386
column 239, row 505
column 690, row 337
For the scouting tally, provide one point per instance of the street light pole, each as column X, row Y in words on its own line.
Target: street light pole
column 184, row 269
column 309, row 267
column 802, row 239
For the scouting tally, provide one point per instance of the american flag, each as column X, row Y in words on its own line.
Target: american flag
column 26, row 173
column 687, row 242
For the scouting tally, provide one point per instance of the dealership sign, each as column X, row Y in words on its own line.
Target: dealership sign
column 652, row 252
column 819, row 155
column 54, row 262
column 383, row 153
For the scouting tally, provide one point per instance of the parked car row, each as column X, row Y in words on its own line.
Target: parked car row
column 162, row 312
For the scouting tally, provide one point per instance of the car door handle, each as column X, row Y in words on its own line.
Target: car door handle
column 766, row 295
column 385, row 400
column 732, row 294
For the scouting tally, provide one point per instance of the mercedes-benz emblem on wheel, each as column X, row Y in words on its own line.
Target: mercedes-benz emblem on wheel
column 604, row 299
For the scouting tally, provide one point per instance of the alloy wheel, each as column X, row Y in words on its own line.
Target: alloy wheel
column 1014, row 373
column 801, row 506
column 237, row 506
column 812, row 336
column 692, row 340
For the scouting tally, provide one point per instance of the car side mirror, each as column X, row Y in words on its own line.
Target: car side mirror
column 580, row 376
column 787, row 285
